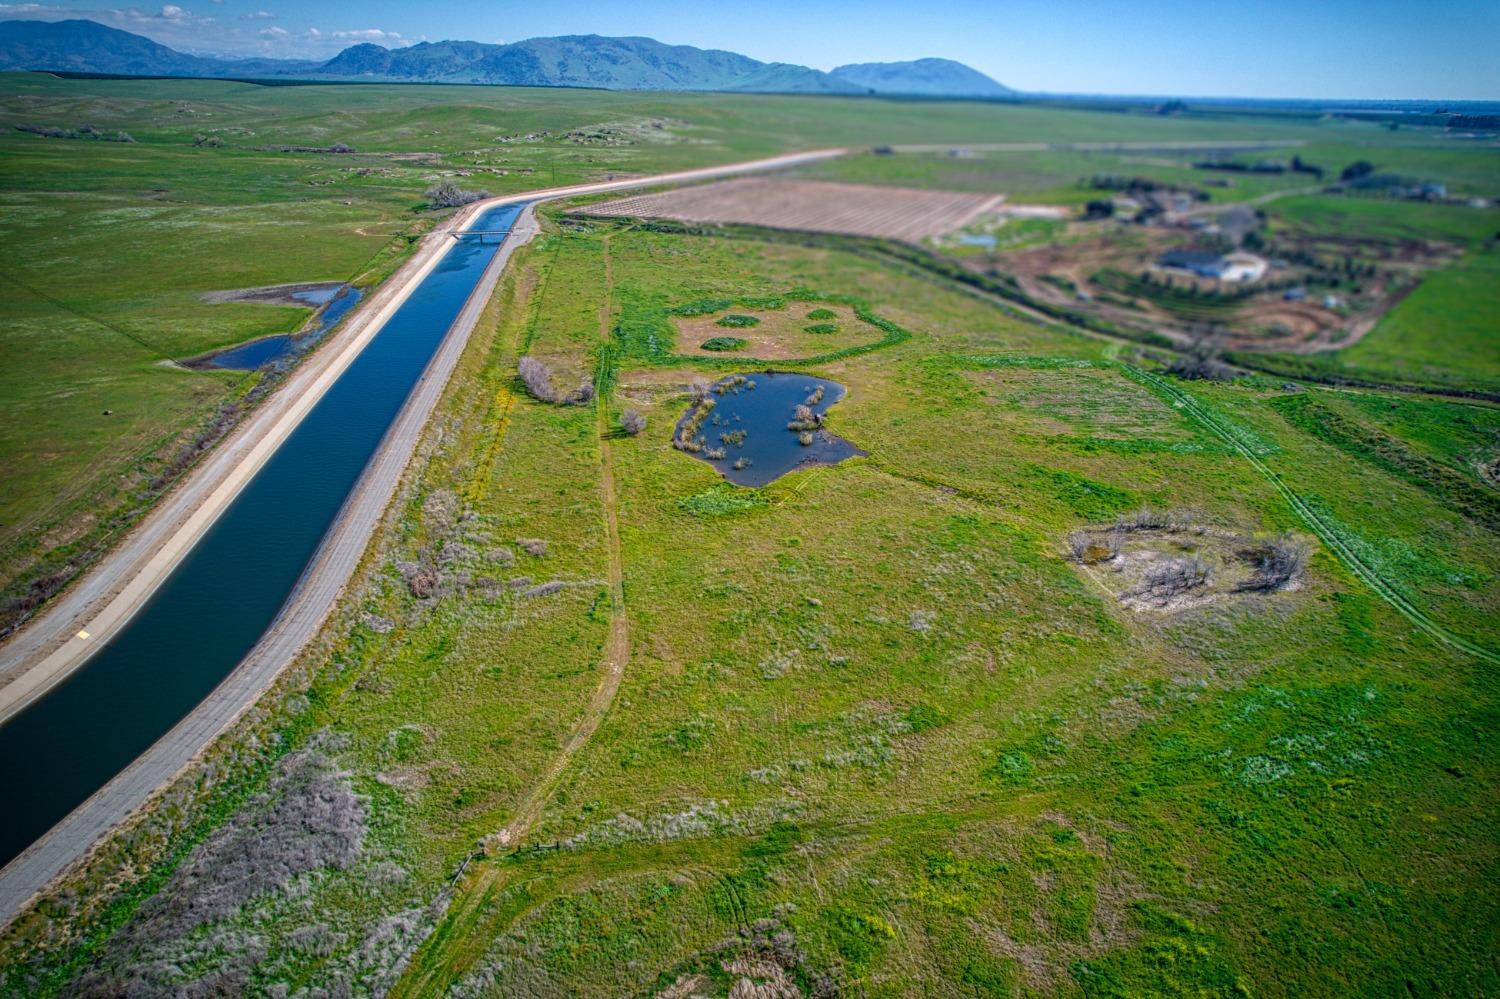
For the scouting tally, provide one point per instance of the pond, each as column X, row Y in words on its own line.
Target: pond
column 333, row 301
column 753, row 428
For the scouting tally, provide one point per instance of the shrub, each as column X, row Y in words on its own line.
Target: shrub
column 737, row 321
column 1090, row 548
column 817, row 315
column 821, row 328
column 537, row 378
column 805, row 419
column 805, row 438
column 444, row 194
column 1276, row 563
column 423, row 583
column 581, row 396
column 632, row 422
column 724, row 343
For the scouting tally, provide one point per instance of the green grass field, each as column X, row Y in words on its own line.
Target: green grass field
column 876, row 733
column 590, row 721
column 110, row 245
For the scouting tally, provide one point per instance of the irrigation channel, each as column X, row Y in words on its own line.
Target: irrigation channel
column 228, row 590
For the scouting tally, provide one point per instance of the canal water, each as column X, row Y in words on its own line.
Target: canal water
column 749, row 425
column 209, row 613
column 336, row 301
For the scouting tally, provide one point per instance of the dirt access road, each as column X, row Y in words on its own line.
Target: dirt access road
column 50, row 647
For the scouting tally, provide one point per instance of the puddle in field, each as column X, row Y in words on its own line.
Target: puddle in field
column 333, row 301
column 750, row 429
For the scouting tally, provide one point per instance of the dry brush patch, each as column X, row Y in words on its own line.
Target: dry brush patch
column 1171, row 560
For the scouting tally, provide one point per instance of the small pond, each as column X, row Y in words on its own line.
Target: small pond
column 753, row 432
column 332, row 301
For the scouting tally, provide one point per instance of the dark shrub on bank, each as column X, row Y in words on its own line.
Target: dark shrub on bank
column 447, row 194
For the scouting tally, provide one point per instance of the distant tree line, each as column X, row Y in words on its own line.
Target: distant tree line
column 1297, row 165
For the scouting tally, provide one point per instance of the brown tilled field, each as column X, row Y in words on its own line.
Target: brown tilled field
column 813, row 206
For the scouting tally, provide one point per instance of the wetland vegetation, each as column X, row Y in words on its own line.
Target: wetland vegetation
column 755, row 428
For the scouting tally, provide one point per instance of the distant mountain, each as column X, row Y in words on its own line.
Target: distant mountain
column 566, row 61
column 90, row 47
column 78, row 46
column 582, row 61
column 922, row 77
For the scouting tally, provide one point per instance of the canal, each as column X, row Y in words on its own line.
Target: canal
column 220, row 599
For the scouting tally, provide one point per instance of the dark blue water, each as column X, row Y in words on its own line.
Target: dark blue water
column 218, row 602
column 269, row 349
column 769, row 449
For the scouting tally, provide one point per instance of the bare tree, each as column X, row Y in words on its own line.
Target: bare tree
column 1173, row 577
column 1090, row 548
column 1276, row 563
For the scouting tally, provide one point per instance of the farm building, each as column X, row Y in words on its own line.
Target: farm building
column 1232, row 267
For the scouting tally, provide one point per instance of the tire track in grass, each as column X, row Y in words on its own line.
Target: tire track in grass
column 456, row 939
column 617, row 644
column 1193, row 408
column 1327, row 534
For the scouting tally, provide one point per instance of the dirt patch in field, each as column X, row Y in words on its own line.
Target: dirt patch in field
column 800, row 329
column 811, row 206
column 1165, row 563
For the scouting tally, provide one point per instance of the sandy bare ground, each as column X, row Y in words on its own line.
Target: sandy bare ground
column 812, row 206
column 48, row 648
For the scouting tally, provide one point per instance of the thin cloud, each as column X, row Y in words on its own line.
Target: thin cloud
column 366, row 34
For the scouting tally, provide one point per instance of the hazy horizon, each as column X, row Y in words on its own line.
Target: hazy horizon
column 1384, row 50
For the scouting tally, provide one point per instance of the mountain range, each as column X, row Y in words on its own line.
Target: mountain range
column 82, row 46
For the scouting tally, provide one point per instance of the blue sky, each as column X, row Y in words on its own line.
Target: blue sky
column 1274, row 48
